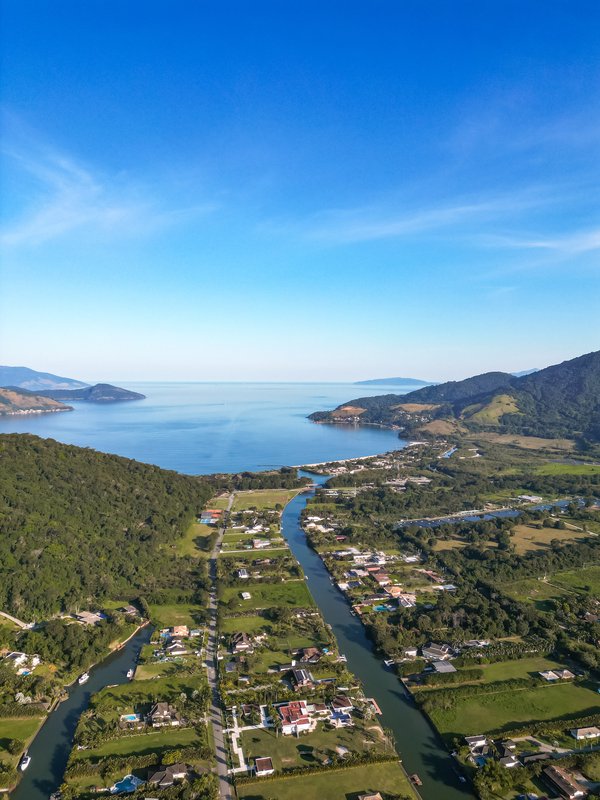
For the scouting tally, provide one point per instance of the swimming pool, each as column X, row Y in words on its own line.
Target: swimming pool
column 130, row 717
column 128, row 784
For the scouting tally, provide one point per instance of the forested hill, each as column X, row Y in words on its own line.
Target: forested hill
column 78, row 526
column 560, row 401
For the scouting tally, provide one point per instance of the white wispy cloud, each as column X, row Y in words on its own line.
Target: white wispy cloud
column 463, row 216
column 568, row 245
column 66, row 196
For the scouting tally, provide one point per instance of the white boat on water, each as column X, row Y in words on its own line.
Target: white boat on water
column 25, row 761
column 389, row 662
column 130, row 674
column 83, row 678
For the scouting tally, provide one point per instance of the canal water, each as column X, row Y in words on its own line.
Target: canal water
column 50, row 749
column 416, row 741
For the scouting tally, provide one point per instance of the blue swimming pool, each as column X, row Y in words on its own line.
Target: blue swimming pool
column 128, row 784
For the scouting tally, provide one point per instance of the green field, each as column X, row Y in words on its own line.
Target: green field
column 347, row 784
column 22, row 728
column 193, row 543
column 527, row 538
column 568, row 469
column 519, row 668
column 531, row 590
column 263, row 498
column 512, row 708
column 252, row 624
column 175, row 614
column 268, row 595
column 251, row 554
column 155, row 742
column 585, row 580
column 290, row 751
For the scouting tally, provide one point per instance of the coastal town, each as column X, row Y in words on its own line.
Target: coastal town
column 507, row 678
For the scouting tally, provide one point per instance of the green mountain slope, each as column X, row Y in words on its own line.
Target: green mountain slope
column 77, row 527
column 560, row 401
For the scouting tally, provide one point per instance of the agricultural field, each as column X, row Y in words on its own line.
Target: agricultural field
column 387, row 778
column 508, row 709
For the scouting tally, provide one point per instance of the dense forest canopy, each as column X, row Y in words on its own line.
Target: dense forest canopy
column 78, row 526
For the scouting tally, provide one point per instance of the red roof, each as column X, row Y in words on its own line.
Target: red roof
column 294, row 712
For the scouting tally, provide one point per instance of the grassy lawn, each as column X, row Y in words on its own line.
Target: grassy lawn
column 143, row 743
column 263, row 498
column 139, row 692
column 194, row 541
column 218, row 502
column 254, row 624
column 530, row 590
column 288, row 751
column 16, row 728
column 249, row 555
column 345, row 784
column 528, row 538
column 269, row 595
column 175, row 614
column 586, row 580
column 146, row 672
column 509, row 709
column 519, row 668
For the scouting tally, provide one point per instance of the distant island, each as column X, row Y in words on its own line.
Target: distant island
column 27, row 391
column 100, row 393
column 394, row 382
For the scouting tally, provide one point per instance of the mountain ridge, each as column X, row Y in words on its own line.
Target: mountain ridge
column 558, row 401
column 32, row 379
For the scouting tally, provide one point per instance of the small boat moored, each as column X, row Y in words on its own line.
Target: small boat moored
column 83, row 678
column 25, row 761
column 389, row 662
column 130, row 674
column 416, row 780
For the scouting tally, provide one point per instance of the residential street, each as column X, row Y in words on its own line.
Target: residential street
column 216, row 718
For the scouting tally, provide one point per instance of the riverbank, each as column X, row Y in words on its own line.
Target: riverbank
column 419, row 745
column 50, row 748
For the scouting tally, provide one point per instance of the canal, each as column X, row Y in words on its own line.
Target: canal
column 50, row 749
column 418, row 744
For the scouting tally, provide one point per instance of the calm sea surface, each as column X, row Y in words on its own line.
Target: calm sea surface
column 201, row 428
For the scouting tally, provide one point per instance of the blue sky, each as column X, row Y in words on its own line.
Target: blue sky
column 277, row 191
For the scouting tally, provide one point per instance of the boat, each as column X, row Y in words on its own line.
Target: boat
column 416, row 780
column 389, row 662
column 83, row 678
column 130, row 674
column 25, row 761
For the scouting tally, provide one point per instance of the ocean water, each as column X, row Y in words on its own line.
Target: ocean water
column 199, row 428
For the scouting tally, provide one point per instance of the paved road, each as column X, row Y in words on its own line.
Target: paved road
column 226, row 790
column 18, row 622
